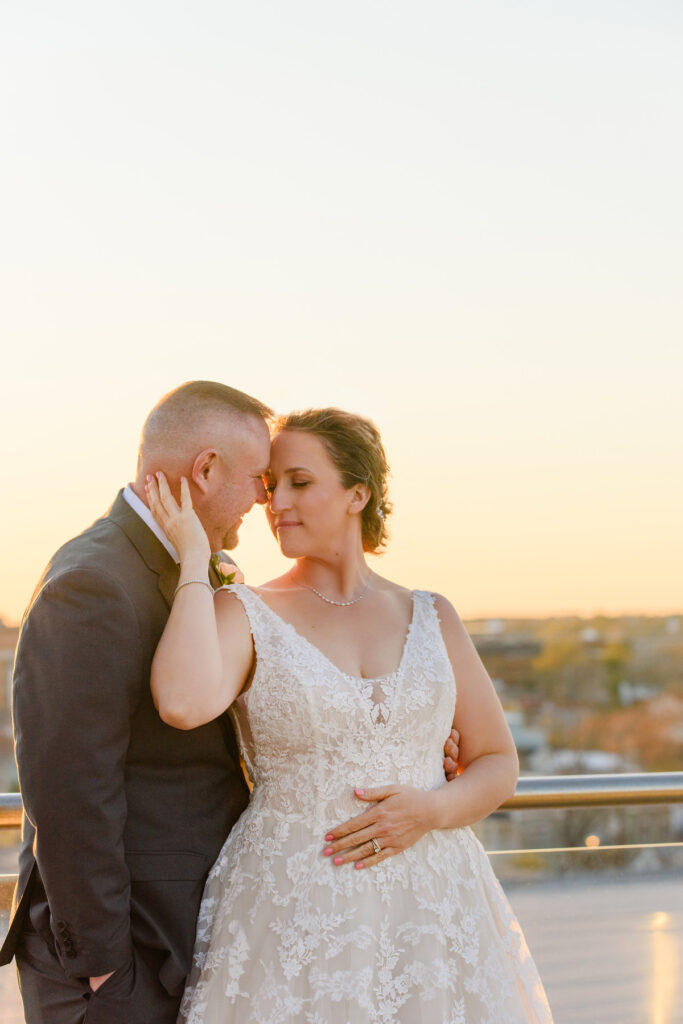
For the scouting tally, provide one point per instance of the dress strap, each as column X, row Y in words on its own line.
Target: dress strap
column 424, row 612
column 428, row 643
column 266, row 627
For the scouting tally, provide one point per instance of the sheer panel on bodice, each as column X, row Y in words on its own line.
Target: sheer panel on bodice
column 284, row 935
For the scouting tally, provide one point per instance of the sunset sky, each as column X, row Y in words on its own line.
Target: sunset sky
column 463, row 220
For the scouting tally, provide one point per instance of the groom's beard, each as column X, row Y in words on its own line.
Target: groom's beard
column 231, row 537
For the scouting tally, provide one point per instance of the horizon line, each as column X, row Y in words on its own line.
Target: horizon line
column 507, row 616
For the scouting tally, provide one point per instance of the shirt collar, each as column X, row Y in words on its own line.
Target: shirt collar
column 139, row 506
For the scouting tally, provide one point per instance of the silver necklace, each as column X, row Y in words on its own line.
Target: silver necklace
column 339, row 604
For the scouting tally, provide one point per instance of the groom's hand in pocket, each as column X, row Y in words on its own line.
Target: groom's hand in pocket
column 99, row 980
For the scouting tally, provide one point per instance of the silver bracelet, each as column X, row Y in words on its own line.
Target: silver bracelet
column 204, row 583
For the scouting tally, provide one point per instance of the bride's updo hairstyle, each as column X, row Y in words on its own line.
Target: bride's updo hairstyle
column 355, row 447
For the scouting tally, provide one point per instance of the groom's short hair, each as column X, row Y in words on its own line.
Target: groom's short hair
column 182, row 411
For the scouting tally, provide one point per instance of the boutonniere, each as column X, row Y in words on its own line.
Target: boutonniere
column 224, row 570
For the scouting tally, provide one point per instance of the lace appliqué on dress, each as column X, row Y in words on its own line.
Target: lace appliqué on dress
column 284, row 936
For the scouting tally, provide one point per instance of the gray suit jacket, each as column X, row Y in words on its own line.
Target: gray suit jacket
column 123, row 814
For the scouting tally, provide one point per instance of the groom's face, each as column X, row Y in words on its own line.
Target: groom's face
column 236, row 481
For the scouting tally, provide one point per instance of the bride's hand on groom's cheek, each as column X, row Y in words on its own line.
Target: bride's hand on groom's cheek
column 179, row 522
column 399, row 816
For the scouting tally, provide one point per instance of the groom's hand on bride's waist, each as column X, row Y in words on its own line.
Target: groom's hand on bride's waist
column 451, row 752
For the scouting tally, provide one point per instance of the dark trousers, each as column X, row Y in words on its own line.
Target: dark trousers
column 133, row 995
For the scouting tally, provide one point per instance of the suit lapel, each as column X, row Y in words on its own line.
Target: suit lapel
column 158, row 560
column 168, row 581
column 213, row 576
column 149, row 547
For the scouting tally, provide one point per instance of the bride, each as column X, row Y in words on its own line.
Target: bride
column 343, row 687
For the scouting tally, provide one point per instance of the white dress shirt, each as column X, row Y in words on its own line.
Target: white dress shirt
column 138, row 506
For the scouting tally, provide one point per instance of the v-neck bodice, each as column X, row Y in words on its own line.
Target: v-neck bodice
column 363, row 680
column 303, row 714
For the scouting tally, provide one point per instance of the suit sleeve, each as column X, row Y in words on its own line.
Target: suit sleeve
column 77, row 680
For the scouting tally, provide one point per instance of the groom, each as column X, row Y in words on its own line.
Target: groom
column 123, row 814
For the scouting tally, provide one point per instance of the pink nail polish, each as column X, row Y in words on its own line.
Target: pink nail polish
column 328, row 851
column 338, row 860
column 359, row 867
column 329, row 837
column 359, row 792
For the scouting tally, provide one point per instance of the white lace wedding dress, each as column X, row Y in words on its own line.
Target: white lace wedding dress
column 284, row 936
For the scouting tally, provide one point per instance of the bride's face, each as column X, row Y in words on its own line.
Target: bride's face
column 309, row 510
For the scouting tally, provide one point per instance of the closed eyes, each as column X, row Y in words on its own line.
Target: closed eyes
column 270, row 487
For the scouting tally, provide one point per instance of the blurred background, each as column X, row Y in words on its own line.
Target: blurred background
column 460, row 219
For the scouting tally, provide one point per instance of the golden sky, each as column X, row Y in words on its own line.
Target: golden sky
column 461, row 220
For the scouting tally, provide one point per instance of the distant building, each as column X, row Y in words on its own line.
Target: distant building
column 511, row 645
column 8, row 643
column 528, row 740
column 580, row 762
column 494, row 627
column 634, row 693
column 507, row 656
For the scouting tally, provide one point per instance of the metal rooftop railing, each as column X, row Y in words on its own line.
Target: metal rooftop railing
column 545, row 791
column 597, row 790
